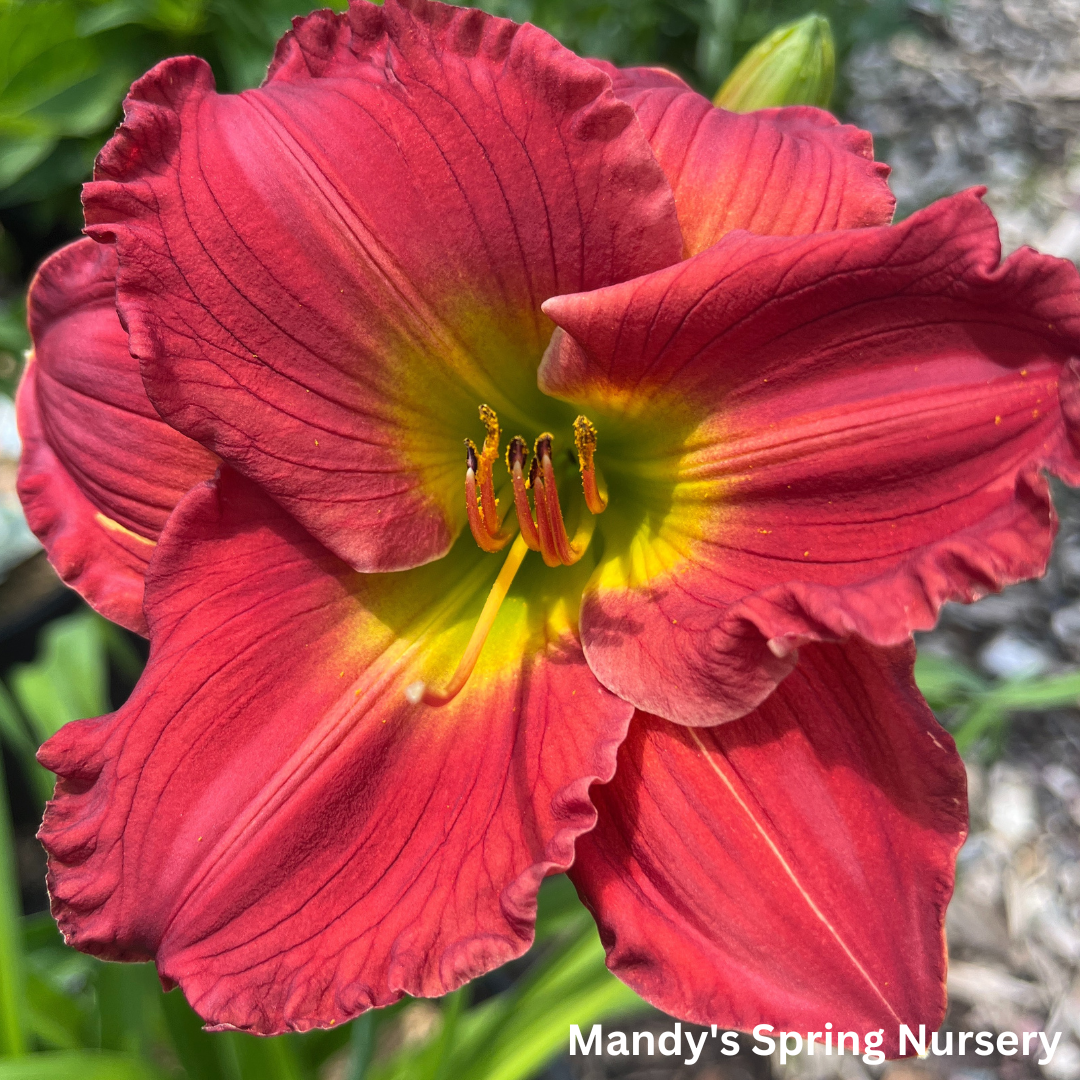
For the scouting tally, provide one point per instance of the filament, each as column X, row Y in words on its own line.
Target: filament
column 515, row 461
column 477, row 523
column 549, row 511
column 419, row 691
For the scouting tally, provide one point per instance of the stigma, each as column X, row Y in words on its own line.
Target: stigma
column 540, row 523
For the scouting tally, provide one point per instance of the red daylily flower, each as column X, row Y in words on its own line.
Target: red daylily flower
column 362, row 738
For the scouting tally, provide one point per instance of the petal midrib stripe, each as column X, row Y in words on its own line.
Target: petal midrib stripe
column 818, row 913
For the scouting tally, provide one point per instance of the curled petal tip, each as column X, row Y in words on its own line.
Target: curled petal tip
column 782, row 647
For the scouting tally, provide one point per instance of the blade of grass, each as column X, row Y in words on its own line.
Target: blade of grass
column 987, row 713
column 452, row 1006
column 946, row 683
column 197, row 1050
column 264, row 1059
column 361, row 1046
column 76, row 1065
column 16, row 736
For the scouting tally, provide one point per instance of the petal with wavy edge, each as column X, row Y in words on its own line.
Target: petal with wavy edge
column 270, row 818
column 100, row 470
column 775, row 172
column 792, row 867
column 326, row 276
column 816, row 436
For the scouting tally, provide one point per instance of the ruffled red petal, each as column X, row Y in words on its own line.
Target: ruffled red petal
column 100, row 470
column 775, row 172
column 271, row 819
column 793, row 867
column 834, row 434
column 326, row 276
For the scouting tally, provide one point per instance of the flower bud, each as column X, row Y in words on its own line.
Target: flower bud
column 794, row 65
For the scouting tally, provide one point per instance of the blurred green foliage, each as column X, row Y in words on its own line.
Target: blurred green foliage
column 66, row 1016
column 977, row 710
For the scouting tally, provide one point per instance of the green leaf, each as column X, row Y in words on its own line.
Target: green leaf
column 1053, row 692
column 361, row 1046
column 129, row 998
column 53, row 1017
column 121, row 651
column 572, row 987
column 16, row 737
column 12, row 970
column 987, row 713
column 511, row 1036
column 199, row 1051
column 452, row 1006
column 14, row 336
column 264, row 1059
column 76, row 1065
column 69, row 681
column 20, row 153
column 944, row 682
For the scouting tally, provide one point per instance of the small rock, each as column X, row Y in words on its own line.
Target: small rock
column 1065, row 624
column 980, row 983
column 1066, row 1062
column 1012, row 808
column 1063, row 782
column 1009, row 656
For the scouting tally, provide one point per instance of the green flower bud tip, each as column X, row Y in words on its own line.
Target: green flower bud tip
column 794, row 65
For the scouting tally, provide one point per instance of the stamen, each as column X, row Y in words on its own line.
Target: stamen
column 585, row 440
column 548, row 494
column 419, row 691
column 488, row 456
column 548, row 548
column 515, row 462
column 477, row 526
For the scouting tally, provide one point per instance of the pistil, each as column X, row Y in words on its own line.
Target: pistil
column 419, row 691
